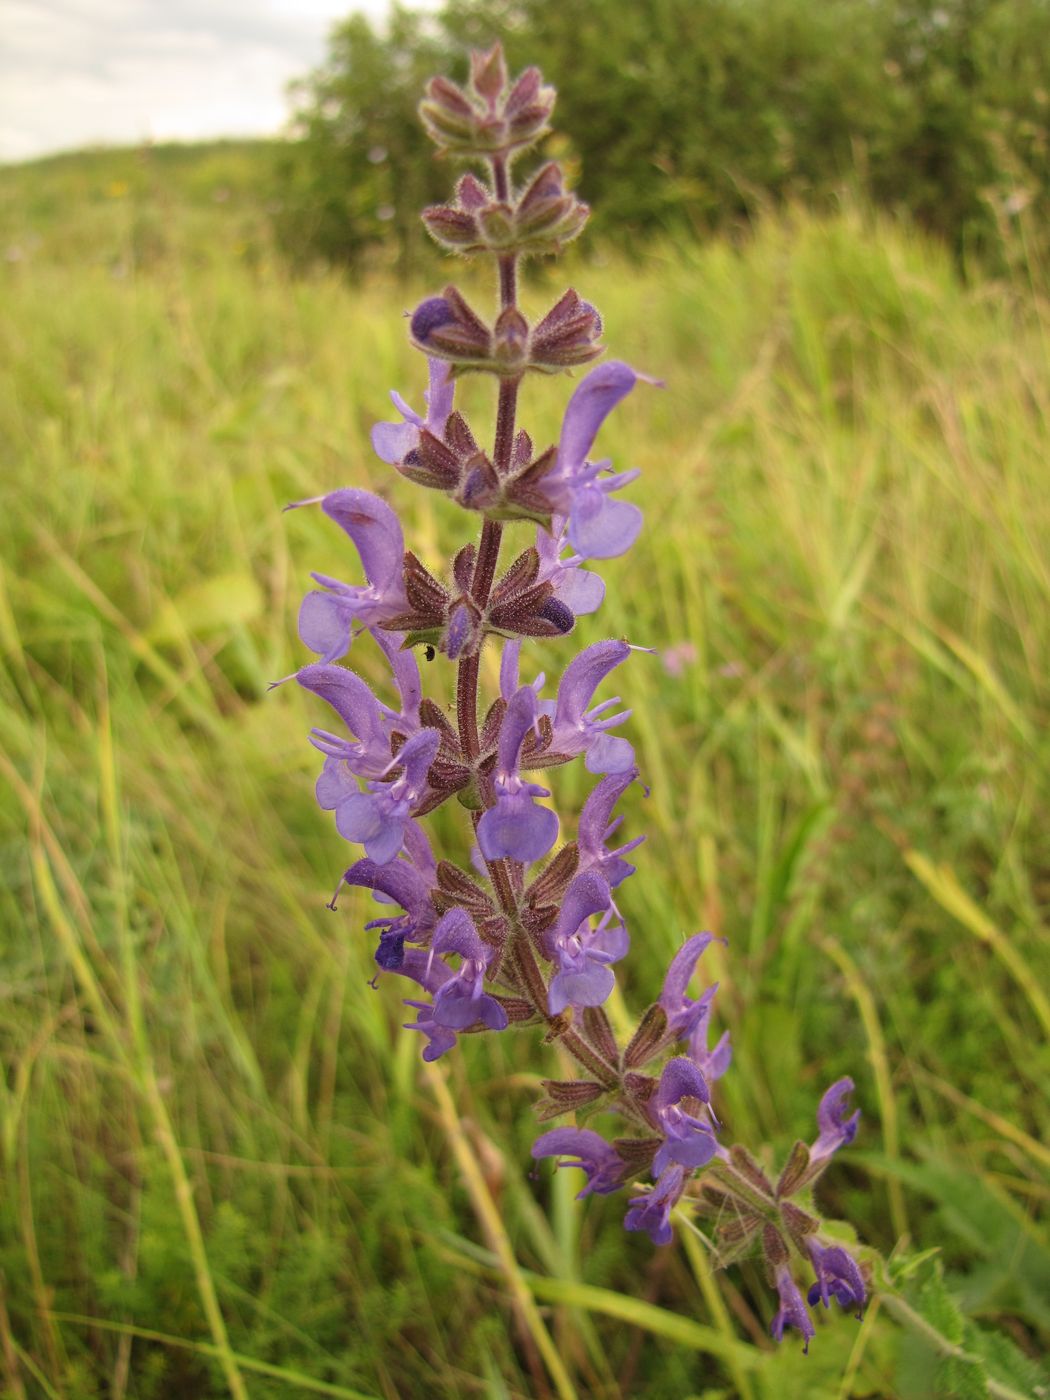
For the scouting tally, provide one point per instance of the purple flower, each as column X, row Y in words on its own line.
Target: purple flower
column 359, row 710
column 404, row 883
column 597, row 826
column 683, row 1013
column 838, row 1276
column 406, row 676
column 462, row 1000
column 439, row 1038
column 516, row 826
column 325, row 619
column 584, row 950
column 392, row 442
column 652, row 1212
column 689, row 1139
column 378, row 816
column 599, row 527
column 835, row 1128
column 587, row 1150
column 792, row 1311
column 578, row 589
column 579, row 730
column 690, row 1019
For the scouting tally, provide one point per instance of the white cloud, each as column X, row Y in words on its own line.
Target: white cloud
column 84, row 72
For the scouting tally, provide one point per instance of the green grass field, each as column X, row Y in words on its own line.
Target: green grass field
column 225, row 1170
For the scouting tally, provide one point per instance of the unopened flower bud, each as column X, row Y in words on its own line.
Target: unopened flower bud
column 568, row 335
column 487, row 119
column 774, row 1248
column 446, row 328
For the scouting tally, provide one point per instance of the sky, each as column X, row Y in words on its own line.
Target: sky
column 87, row 72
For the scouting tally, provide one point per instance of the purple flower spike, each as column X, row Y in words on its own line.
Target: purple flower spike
column 577, row 730
column 392, row 442
column 378, row 817
column 587, row 1150
column 838, row 1276
column 792, row 1311
column 652, row 1212
column 835, row 1128
column 516, row 826
column 583, row 951
column 325, row 619
column 463, row 1001
column 688, row 1140
column 597, row 826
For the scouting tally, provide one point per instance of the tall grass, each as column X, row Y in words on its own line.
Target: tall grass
column 224, row 1171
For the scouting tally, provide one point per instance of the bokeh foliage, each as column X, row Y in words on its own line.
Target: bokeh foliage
column 690, row 116
column 207, row 1113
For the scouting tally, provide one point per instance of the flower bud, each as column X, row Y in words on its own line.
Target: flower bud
column 568, row 335
column 565, row 1096
column 774, row 1248
column 486, row 119
column 799, row 1224
column 448, row 329
column 647, row 1039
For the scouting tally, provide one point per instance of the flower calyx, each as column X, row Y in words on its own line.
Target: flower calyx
column 541, row 220
column 490, row 115
column 446, row 328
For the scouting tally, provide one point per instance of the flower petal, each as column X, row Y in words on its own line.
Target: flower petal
column 374, row 529
column 324, row 625
column 351, row 699
column 517, row 828
column 596, row 395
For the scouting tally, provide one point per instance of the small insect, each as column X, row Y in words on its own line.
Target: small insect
column 429, row 652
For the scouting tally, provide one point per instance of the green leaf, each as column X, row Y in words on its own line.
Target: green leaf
column 940, row 1310
column 962, row 1380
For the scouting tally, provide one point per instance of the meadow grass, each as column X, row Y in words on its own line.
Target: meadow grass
column 224, row 1168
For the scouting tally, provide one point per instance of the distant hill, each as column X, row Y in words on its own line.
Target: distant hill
column 110, row 204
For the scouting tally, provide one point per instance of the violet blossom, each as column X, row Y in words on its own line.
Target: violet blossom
column 377, row 817
column 598, row 526
column 583, row 949
column 578, row 730
column 588, row 1150
column 689, row 1018
column 836, row 1126
column 792, row 1311
column 689, row 1137
column 597, row 826
column 516, row 827
column 392, row 442
column 652, row 1212
column 838, row 1276
column 326, row 618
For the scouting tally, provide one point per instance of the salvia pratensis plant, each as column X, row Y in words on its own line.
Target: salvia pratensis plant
column 529, row 937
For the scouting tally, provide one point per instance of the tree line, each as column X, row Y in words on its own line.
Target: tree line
column 687, row 117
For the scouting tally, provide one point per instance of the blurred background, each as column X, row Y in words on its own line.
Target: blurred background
column 225, row 1171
